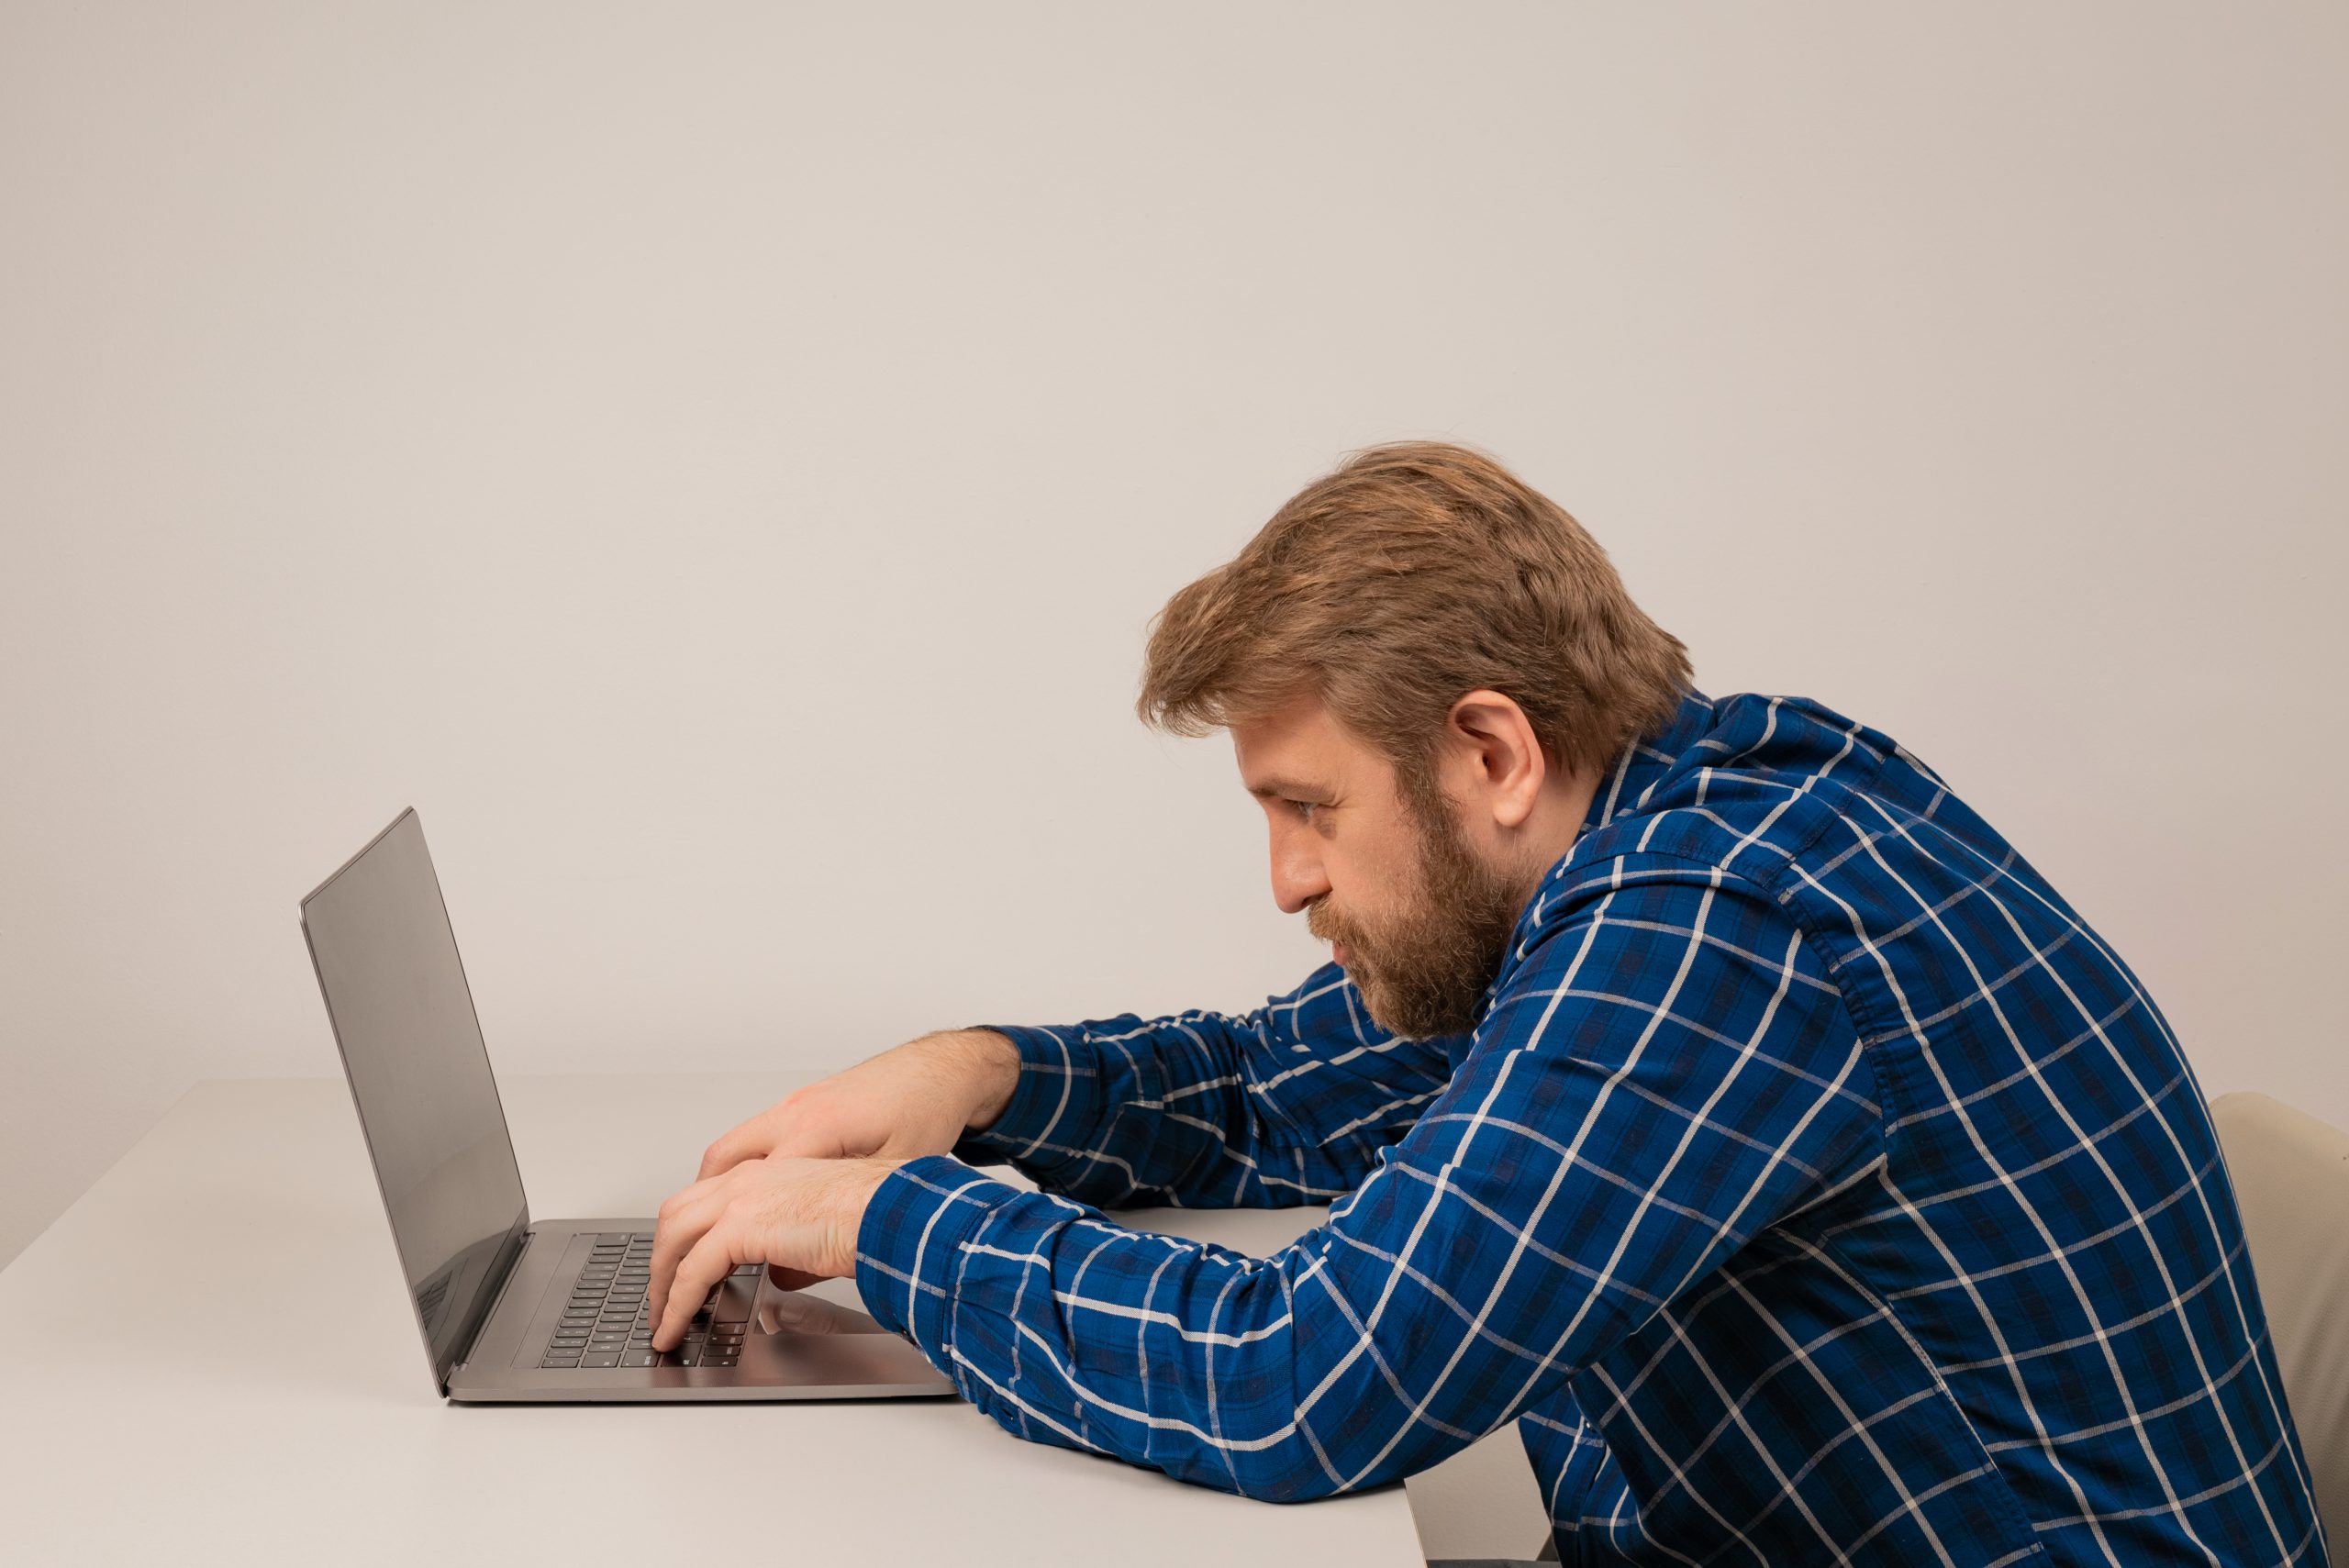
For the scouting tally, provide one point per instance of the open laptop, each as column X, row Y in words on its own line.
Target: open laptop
column 513, row 1308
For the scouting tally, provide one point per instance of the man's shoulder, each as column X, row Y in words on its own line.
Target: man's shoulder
column 1750, row 785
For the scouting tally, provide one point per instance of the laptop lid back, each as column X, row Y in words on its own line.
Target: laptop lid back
column 402, row 1017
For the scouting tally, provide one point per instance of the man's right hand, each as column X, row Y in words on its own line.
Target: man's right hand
column 918, row 1099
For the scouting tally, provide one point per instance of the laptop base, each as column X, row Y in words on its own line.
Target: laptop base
column 807, row 1344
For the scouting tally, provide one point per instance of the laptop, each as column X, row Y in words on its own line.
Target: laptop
column 514, row 1308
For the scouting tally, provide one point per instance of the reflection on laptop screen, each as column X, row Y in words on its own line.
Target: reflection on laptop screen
column 404, row 1017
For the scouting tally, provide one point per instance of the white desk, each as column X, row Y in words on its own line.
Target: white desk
column 162, row 1404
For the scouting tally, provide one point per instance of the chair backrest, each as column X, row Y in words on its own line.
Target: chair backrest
column 2291, row 1180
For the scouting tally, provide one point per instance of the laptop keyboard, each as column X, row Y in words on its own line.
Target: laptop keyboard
column 604, row 1323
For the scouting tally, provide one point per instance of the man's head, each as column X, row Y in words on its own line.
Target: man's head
column 1425, row 666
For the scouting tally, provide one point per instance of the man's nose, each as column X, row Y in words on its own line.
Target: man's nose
column 1298, row 878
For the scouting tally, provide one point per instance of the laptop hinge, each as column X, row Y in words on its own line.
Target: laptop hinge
column 503, row 1270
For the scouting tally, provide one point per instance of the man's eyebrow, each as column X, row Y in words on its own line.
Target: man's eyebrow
column 1288, row 788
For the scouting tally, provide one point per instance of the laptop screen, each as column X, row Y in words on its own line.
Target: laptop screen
column 419, row 1074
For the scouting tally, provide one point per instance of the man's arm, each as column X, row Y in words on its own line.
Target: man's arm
column 1669, row 1071
column 1289, row 1104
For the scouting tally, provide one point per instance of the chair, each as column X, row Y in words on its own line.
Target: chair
column 2291, row 1180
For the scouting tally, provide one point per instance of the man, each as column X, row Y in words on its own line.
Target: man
column 1698, row 1084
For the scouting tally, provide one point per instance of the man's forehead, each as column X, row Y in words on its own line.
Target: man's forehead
column 1300, row 749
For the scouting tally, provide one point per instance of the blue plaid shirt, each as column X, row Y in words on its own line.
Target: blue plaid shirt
column 1817, row 1187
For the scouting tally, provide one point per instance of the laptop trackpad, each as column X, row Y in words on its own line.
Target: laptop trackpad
column 810, row 1311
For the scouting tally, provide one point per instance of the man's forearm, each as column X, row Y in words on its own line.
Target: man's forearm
column 988, row 1062
column 1287, row 1105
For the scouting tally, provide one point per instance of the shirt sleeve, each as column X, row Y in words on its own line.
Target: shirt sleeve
column 1666, row 1071
column 1289, row 1104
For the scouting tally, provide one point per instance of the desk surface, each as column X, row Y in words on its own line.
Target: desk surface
column 165, row 1404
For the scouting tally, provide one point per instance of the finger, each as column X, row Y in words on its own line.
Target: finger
column 685, row 1219
column 732, row 1147
column 710, row 1260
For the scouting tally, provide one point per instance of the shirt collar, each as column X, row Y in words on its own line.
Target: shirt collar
column 1622, row 789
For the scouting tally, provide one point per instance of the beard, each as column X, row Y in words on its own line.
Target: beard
column 1423, row 970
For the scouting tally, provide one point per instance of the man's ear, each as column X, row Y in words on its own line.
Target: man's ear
column 1497, row 756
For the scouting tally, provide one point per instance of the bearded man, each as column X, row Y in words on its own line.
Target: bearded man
column 1699, row 1082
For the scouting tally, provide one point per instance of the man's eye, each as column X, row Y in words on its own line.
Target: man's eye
column 1304, row 810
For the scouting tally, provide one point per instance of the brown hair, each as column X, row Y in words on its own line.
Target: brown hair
column 1412, row 574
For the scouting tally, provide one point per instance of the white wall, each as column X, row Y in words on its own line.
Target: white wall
column 718, row 460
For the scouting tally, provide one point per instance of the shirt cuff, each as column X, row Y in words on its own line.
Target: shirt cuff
column 910, row 1243
column 1054, row 1107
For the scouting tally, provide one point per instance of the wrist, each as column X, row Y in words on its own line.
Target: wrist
column 995, row 1076
column 853, row 1191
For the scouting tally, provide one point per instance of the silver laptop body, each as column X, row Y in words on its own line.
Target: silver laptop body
column 509, row 1306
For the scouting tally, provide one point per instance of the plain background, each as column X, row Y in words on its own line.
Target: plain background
column 718, row 463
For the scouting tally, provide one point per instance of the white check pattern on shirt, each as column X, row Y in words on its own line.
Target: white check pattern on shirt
column 1816, row 1187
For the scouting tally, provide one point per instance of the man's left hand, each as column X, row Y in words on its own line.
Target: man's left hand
column 798, row 1217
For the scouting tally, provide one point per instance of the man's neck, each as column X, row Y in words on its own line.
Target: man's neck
column 1556, row 822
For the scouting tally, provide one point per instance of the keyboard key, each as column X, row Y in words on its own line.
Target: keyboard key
column 553, row 1361
column 600, row 1357
column 638, row 1358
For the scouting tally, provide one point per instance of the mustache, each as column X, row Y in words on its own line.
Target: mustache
column 1327, row 925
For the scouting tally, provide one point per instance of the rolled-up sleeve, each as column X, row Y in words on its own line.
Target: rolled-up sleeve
column 1288, row 1103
